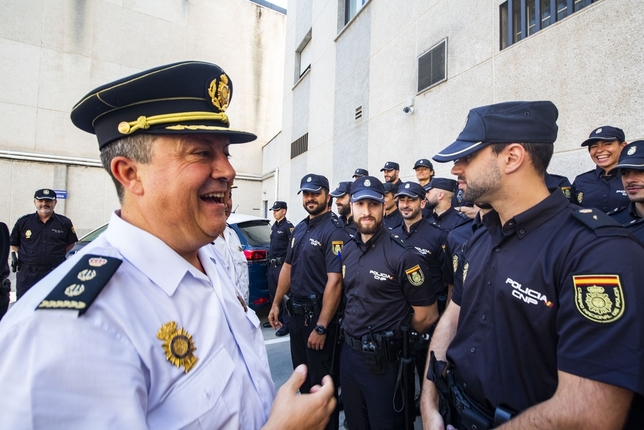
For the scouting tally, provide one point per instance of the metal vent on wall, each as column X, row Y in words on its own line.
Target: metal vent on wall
column 358, row 114
column 432, row 66
column 300, row 146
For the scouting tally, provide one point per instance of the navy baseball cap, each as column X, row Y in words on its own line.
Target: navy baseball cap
column 509, row 122
column 443, row 184
column 360, row 172
column 390, row 165
column 411, row 189
column 367, row 187
column 390, row 188
column 181, row 98
column 314, row 183
column 423, row 162
column 607, row 133
column 343, row 188
column 45, row 194
column 277, row 205
column 632, row 156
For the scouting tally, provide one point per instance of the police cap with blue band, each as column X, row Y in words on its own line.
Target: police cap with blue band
column 181, row 98
column 343, row 189
column 314, row 183
column 606, row 133
column 411, row 189
column 632, row 156
column 508, row 122
column 367, row 187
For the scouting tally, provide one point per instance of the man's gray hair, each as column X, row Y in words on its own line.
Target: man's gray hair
column 136, row 148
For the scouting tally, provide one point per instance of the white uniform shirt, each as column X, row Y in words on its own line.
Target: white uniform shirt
column 230, row 248
column 107, row 369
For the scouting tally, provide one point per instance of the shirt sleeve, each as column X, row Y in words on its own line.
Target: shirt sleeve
column 51, row 385
column 333, row 251
column 14, row 239
column 71, row 233
column 414, row 275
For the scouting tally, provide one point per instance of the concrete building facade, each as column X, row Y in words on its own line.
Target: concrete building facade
column 55, row 51
column 352, row 66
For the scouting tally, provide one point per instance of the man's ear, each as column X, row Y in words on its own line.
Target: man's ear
column 126, row 171
column 514, row 156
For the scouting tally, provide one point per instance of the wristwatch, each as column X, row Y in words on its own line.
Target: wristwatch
column 320, row 329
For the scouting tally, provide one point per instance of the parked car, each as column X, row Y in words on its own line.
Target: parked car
column 255, row 236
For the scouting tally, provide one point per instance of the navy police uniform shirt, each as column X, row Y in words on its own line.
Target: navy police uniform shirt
column 315, row 249
column 457, row 240
column 393, row 220
column 594, row 189
column 449, row 220
column 629, row 218
column 431, row 241
column 382, row 279
column 280, row 238
column 557, row 287
column 562, row 183
column 349, row 226
column 42, row 243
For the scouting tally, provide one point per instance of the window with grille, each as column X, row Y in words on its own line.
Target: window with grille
column 300, row 146
column 523, row 18
column 432, row 66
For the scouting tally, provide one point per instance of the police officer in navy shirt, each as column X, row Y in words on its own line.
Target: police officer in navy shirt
column 544, row 330
column 312, row 274
column 342, row 203
column 424, row 170
column 41, row 240
column 440, row 192
column 387, row 284
column 602, row 187
column 391, row 172
column 280, row 239
column 392, row 218
column 631, row 167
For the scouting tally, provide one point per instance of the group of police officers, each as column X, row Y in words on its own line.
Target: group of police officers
column 544, row 309
column 530, row 309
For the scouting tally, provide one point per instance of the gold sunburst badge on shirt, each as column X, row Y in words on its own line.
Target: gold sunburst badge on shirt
column 178, row 346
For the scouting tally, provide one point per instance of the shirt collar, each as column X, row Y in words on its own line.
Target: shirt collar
column 312, row 222
column 372, row 241
column 164, row 266
column 526, row 221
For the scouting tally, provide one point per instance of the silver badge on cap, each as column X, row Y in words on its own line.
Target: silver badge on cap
column 632, row 150
column 407, row 185
column 308, row 179
column 45, row 192
column 599, row 130
column 367, row 183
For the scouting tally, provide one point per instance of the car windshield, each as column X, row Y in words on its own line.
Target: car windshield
column 93, row 234
column 256, row 232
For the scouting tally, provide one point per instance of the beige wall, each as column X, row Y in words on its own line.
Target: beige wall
column 55, row 51
column 588, row 64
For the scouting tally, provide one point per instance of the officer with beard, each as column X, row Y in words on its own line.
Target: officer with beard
column 312, row 274
column 387, row 285
column 440, row 192
column 341, row 196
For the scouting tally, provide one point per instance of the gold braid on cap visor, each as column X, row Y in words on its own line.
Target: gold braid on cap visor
column 143, row 122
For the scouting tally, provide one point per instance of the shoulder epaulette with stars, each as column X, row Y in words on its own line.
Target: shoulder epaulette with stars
column 398, row 240
column 82, row 284
column 336, row 222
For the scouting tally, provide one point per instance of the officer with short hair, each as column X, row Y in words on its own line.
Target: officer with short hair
column 631, row 168
column 391, row 173
column 424, row 171
column 440, row 192
column 602, row 187
column 312, row 274
column 41, row 240
column 392, row 218
column 387, row 285
column 544, row 329
column 342, row 203
column 280, row 238
column 360, row 173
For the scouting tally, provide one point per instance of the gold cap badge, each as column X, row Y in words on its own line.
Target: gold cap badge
column 178, row 346
column 220, row 93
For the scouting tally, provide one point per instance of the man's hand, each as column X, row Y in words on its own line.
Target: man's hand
column 316, row 341
column 273, row 316
column 432, row 419
column 303, row 411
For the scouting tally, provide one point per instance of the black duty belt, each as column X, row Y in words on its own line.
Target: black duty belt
column 39, row 267
column 275, row 262
column 300, row 308
column 353, row 342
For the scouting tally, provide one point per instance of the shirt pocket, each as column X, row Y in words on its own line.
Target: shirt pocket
column 199, row 394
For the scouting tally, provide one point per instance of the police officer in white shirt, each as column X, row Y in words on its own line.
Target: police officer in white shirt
column 142, row 329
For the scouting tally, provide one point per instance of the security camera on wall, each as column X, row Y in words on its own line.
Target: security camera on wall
column 408, row 110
